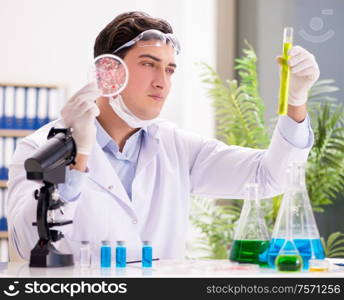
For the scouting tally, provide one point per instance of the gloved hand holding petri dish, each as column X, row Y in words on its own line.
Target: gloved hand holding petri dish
column 111, row 74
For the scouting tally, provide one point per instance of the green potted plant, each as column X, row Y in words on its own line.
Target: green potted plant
column 240, row 121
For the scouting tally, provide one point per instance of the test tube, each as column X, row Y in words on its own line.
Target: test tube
column 105, row 254
column 284, row 81
column 121, row 255
column 85, row 254
column 147, row 254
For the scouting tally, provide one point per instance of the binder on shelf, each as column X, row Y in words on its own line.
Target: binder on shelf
column 13, row 101
column 53, row 109
column 44, row 106
column 2, row 159
column 2, row 107
column 7, row 146
column 49, row 105
column 24, row 121
column 19, row 112
column 4, row 170
column 8, row 121
column 31, row 108
column 3, row 214
column 3, row 104
column 8, row 149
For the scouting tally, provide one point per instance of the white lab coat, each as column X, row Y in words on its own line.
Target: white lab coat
column 172, row 165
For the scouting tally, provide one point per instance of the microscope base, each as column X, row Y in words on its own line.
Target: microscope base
column 47, row 256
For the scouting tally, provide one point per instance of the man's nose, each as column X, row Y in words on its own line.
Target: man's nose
column 160, row 80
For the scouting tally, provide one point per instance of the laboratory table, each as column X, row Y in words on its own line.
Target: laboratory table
column 165, row 268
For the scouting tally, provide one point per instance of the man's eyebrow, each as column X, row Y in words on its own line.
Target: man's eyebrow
column 156, row 59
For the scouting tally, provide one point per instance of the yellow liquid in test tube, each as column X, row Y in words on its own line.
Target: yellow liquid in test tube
column 284, row 83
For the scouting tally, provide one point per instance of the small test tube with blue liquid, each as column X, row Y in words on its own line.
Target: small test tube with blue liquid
column 121, row 255
column 147, row 254
column 105, row 255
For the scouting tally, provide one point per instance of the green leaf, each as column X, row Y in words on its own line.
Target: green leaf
column 339, row 254
column 332, row 238
column 334, row 247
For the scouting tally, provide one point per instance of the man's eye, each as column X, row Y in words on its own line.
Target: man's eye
column 147, row 64
column 170, row 70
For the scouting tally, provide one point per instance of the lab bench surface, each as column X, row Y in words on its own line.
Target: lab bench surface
column 165, row 268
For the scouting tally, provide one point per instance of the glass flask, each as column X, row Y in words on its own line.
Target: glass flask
column 303, row 228
column 288, row 258
column 251, row 237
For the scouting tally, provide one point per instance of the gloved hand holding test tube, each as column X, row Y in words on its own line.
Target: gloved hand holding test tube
column 299, row 71
column 285, row 76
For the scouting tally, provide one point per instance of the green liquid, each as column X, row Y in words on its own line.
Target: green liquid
column 250, row 252
column 288, row 263
column 284, row 83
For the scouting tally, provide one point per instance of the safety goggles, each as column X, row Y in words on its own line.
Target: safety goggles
column 152, row 37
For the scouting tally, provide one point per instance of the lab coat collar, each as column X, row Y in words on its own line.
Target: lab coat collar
column 103, row 138
column 153, row 130
column 129, row 151
column 149, row 148
column 102, row 172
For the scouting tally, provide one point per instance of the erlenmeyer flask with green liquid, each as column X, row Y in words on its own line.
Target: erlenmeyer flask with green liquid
column 288, row 258
column 302, row 225
column 251, row 238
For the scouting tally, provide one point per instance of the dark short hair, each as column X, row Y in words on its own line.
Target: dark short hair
column 124, row 28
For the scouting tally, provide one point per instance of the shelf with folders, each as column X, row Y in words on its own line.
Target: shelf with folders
column 7, row 147
column 25, row 107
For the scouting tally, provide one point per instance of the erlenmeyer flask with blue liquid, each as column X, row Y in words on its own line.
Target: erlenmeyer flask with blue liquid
column 303, row 228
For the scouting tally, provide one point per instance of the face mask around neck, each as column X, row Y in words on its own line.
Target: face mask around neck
column 126, row 115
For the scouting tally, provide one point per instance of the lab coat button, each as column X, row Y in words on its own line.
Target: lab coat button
column 110, row 187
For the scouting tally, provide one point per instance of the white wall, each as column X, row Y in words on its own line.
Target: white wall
column 50, row 41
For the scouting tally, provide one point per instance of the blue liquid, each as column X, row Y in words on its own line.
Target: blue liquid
column 147, row 254
column 121, row 257
column 304, row 247
column 105, row 256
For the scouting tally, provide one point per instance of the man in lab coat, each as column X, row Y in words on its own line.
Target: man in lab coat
column 134, row 173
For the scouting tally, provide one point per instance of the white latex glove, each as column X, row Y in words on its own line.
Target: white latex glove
column 79, row 113
column 304, row 72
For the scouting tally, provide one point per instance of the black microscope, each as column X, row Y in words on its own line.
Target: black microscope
column 48, row 164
